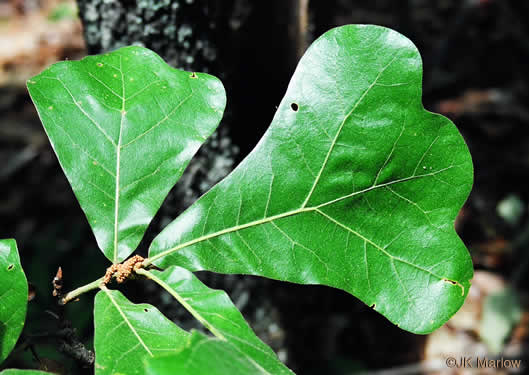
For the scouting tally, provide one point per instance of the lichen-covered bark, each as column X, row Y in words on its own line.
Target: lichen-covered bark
column 181, row 31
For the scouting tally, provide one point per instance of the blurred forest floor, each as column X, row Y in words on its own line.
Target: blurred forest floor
column 475, row 56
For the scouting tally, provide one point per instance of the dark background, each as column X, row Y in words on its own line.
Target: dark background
column 475, row 55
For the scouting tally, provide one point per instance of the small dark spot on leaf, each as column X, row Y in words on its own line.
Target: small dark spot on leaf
column 455, row 283
column 374, row 306
column 146, row 310
column 99, row 64
column 294, row 107
column 193, row 75
column 10, row 267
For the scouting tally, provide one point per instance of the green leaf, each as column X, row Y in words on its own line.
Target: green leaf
column 23, row 372
column 204, row 356
column 13, row 297
column 124, row 126
column 214, row 309
column 125, row 333
column 354, row 185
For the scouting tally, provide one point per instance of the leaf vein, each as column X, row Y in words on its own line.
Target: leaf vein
column 76, row 103
column 131, row 327
column 358, row 102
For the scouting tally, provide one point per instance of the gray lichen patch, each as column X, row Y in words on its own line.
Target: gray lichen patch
column 180, row 31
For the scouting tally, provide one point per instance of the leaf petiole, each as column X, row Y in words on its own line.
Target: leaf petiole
column 85, row 288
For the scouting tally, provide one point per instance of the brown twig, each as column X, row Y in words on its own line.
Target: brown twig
column 57, row 283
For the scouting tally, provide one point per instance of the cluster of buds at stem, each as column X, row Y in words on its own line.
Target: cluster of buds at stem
column 122, row 272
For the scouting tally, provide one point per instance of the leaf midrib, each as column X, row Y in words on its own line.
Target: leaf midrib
column 303, row 207
column 127, row 321
column 317, row 208
column 118, row 163
column 200, row 316
column 119, row 145
column 183, row 302
column 305, row 210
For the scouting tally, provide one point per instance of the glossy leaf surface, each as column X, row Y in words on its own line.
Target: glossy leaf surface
column 214, row 309
column 124, row 126
column 354, row 185
column 125, row 333
column 204, row 356
column 13, row 297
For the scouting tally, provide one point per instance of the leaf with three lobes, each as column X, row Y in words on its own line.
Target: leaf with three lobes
column 13, row 297
column 354, row 185
column 124, row 126
column 204, row 356
column 214, row 309
column 125, row 333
